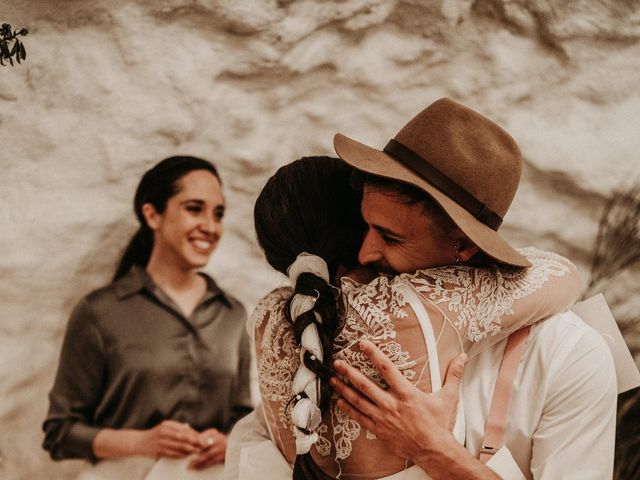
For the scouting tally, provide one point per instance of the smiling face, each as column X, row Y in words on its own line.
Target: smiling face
column 188, row 230
column 400, row 237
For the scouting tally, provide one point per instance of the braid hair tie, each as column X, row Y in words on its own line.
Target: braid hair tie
column 308, row 263
column 306, row 414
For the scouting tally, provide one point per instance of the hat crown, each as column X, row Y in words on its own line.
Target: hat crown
column 471, row 150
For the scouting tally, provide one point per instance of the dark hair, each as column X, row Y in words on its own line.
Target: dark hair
column 156, row 187
column 309, row 206
column 409, row 194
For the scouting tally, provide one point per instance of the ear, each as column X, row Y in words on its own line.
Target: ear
column 464, row 248
column 151, row 216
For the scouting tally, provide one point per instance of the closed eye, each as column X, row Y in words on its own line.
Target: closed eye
column 389, row 240
column 386, row 235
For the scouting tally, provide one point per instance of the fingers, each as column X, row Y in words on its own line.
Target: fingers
column 214, row 448
column 455, row 372
column 362, row 384
column 356, row 400
column 178, row 446
column 357, row 415
column 176, row 440
column 172, row 452
column 209, row 437
column 385, row 366
column 203, row 461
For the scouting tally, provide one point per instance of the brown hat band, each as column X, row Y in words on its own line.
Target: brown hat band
column 446, row 185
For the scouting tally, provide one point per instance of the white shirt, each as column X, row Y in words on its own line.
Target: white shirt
column 561, row 422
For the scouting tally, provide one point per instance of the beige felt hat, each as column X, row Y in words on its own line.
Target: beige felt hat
column 466, row 162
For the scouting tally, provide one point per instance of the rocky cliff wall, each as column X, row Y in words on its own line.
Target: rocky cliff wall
column 111, row 87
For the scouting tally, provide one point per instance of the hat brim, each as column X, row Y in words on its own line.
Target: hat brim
column 377, row 162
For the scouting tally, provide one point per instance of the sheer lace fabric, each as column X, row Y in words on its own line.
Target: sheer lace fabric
column 468, row 308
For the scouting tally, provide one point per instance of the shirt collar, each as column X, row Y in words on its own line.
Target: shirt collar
column 137, row 279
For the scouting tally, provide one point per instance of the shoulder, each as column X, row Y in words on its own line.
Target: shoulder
column 96, row 301
column 269, row 306
column 101, row 296
column 565, row 331
column 553, row 345
column 88, row 317
column 277, row 295
column 565, row 340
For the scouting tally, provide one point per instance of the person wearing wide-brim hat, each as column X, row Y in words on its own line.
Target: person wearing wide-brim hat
column 465, row 162
column 553, row 416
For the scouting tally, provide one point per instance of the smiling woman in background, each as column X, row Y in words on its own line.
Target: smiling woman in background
column 156, row 364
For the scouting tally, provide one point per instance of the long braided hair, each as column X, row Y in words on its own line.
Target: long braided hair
column 308, row 223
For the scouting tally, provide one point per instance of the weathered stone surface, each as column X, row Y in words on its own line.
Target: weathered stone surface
column 110, row 88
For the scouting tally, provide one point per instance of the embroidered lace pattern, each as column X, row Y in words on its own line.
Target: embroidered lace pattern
column 480, row 298
column 477, row 302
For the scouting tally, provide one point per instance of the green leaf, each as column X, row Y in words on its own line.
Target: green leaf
column 14, row 49
column 23, row 52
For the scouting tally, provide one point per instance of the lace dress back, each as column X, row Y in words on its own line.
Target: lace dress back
column 467, row 308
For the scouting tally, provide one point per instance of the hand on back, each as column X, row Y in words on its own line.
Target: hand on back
column 408, row 420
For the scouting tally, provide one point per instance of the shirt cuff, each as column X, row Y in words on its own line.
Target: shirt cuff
column 503, row 465
column 79, row 442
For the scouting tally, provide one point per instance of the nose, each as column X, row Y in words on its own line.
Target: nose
column 211, row 225
column 370, row 251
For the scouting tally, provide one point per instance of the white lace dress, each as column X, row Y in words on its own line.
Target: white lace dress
column 466, row 308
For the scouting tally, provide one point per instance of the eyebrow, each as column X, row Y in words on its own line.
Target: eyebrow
column 201, row 202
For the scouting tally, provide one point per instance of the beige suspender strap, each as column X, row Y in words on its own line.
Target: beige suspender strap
column 497, row 419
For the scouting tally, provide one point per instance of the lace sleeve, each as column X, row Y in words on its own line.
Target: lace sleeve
column 276, row 351
column 277, row 359
column 498, row 300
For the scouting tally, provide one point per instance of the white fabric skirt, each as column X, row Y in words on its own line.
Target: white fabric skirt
column 258, row 459
column 143, row 468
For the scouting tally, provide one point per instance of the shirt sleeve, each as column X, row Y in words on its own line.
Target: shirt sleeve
column 576, row 435
column 77, row 390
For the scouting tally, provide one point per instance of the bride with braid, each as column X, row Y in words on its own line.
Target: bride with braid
column 308, row 223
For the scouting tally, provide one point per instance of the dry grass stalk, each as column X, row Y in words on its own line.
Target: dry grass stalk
column 617, row 248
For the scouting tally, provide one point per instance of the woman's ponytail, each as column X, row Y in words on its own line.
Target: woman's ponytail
column 138, row 252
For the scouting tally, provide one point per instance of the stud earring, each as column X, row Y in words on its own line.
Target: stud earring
column 457, row 249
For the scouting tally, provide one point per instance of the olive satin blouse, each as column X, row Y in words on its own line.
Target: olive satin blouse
column 131, row 359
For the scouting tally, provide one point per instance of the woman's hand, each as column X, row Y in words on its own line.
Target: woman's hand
column 214, row 447
column 169, row 439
